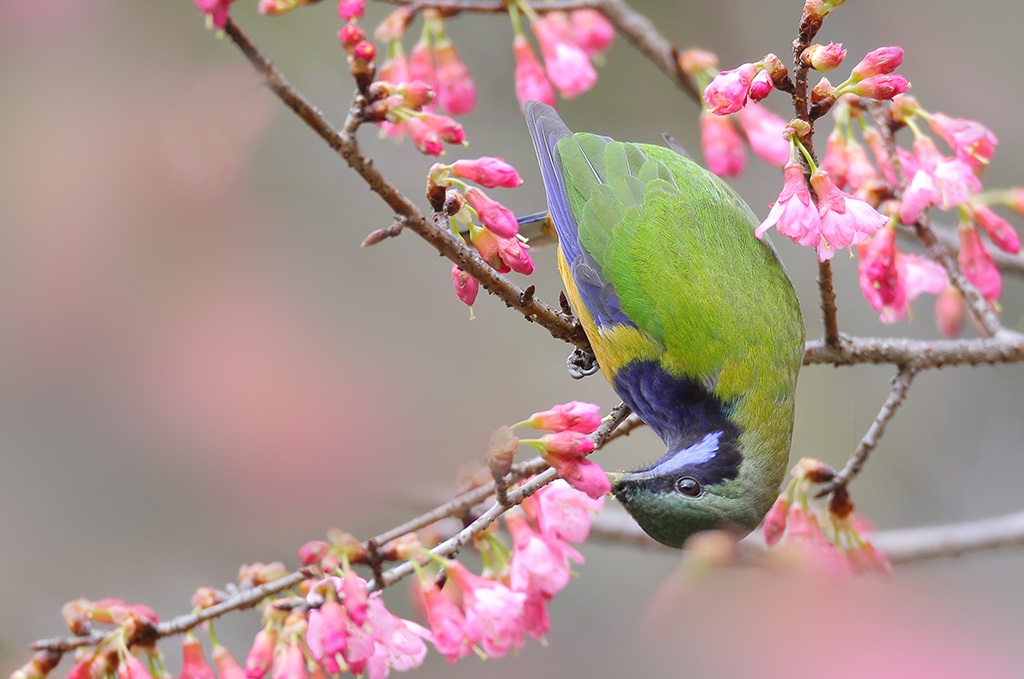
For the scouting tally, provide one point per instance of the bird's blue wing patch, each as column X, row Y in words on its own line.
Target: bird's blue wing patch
column 547, row 129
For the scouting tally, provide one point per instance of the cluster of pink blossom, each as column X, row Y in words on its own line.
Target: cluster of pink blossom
column 567, row 447
column 497, row 239
column 721, row 141
column 433, row 60
column 499, row 610
column 858, row 190
column 570, row 43
column 834, row 540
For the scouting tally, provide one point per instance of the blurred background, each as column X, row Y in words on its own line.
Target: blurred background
column 199, row 367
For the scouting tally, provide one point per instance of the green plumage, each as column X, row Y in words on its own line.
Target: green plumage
column 692, row 319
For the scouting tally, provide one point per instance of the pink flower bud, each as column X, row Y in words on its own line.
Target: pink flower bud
column 997, row 228
column 421, row 63
column 591, row 31
column 424, row 137
column 727, row 93
column 881, row 87
column 289, row 663
column 567, row 443
column 416, row 94
column 775, row 520
column 761, row 86
column 722, row 145
column 456, row 91
column 971, row 140
column 531, row 83
column 449, row 130
column 575, row 416
column 466, row 287
column 349, row 10
column 226, row 665
column 765, row 133
column 586, row 476
column 488, row 172
column 824, row 58
column 493, row 215
column 194, row 665
column 261, row 655
column 132, row 668
column 394, row 25
column 881, row 61
column 978, row 266
column 949, row 312
column 351, row 35
column 695, row 60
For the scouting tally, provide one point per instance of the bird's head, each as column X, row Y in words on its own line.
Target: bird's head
column 686, row 492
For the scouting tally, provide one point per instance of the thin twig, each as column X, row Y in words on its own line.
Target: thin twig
column 558, row 324
column 900, row 386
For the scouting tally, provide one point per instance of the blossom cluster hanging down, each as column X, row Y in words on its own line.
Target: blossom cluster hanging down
column 497, row 237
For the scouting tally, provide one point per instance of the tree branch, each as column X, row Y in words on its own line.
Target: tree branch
column 900, row 386
column 560, row 325
column 1006, row 346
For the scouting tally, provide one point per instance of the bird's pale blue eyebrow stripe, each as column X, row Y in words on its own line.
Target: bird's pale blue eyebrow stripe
column 698, row 453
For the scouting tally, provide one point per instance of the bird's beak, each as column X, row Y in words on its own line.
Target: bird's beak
column 619, row 479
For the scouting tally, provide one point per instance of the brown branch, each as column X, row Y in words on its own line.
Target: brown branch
column 1006, row 346
column 558, row 324
column 900, row 387
column 902, row 546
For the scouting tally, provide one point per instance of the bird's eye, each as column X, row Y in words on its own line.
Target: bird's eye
column 688, row 486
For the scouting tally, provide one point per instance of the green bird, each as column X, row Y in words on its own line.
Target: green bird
column 691, row 318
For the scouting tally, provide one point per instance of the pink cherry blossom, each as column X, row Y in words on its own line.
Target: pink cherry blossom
column 492, row 607
column 972, row 141
column 447, row 128
column 488, row 172
column 536, row 621
column 531, row 82
column 591, row 31
column 764, row 131
column 567, row 66
column 563, row 513
column 794, row 211
column 727, row 92
column 352, row 589
column 845, row 220
column 978, row 266
column 722, row 145
column 537, row 565
column 466, row 287
column 456, row 91
column 574, row 415
column 860, row 172
column 761, row 86
column 453, row 637
column 890, row 280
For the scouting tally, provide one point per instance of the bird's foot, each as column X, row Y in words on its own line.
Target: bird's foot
column 581, row 363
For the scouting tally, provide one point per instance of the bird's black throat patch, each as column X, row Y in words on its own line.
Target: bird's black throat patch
column 682, row 412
